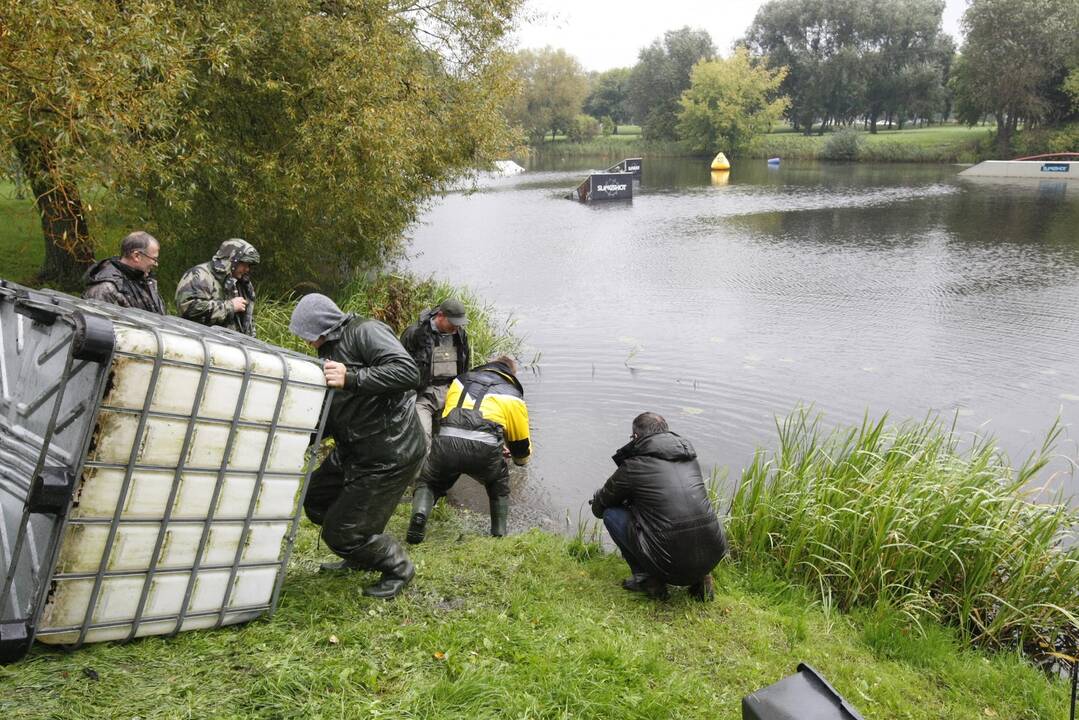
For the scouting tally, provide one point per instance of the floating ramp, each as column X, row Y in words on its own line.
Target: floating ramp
column 606, row 186
column 1028, row 168
column 629, row 165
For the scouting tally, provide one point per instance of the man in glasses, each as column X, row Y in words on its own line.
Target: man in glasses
column 127, row 280
column 657, row 511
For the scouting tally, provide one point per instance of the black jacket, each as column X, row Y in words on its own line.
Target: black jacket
column 419, row 339
column 677, row 531
column 373, row 418
column 113, row 282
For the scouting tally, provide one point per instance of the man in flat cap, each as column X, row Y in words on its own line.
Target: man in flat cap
column 439, row 345
column 379, row 447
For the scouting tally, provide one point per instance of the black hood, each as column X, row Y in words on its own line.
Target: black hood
column 664, row 446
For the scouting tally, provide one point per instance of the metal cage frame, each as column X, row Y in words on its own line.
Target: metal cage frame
column 48, row 494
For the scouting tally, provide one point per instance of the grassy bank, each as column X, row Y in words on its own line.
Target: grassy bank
column 522, row 628
column 947, row 143
column 536, row 625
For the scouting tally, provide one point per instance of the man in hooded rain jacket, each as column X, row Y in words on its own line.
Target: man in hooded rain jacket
column 379, row 446
column 656, row 508
column 485, row 421
column 220, row 292
column 126, row 280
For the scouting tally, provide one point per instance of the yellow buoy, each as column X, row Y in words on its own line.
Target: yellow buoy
column 720, row 162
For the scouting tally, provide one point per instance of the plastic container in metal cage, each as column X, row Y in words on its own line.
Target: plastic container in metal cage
column 151, row 471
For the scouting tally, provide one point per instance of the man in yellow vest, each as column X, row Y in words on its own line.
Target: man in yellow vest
column 485, row 421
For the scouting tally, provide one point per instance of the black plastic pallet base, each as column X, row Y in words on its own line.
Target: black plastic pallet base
column 15, row 639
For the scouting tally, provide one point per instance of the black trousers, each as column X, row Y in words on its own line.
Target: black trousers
column 353, row 502
column 452, row 456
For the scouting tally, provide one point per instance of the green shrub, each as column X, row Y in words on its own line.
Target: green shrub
column 842, row 145
column 583, row 128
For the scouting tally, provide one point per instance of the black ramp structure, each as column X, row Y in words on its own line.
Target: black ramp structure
column 806, row 695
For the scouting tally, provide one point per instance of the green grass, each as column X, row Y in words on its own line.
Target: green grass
column 522, row 628
column 943, row 143
column 21, row 246
column 904, row 517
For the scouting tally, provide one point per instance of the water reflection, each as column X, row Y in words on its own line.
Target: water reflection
column 857, row 288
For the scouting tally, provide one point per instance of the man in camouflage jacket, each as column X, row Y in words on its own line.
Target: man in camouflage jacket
column 220, row 292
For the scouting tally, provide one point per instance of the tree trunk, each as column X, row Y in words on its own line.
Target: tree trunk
column 1004, row 132
column 873, row 122
column 69, row 249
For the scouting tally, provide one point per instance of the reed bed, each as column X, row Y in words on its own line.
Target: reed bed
column 398, row 300
column 914, row 519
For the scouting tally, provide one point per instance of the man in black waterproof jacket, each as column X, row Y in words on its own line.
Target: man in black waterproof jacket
column 126, row 280
column 655, row 507
column 439, row 345
column 379, row 442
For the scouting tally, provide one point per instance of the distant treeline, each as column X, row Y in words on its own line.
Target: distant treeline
column 839, row 63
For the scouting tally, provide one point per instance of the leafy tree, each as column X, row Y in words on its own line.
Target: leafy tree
column 314, row 129
column 1016, row 54
column 553, row 88
column 852, row 59
column 608, row 95
column 728, row 103
column 661, row 75
column 87, row 90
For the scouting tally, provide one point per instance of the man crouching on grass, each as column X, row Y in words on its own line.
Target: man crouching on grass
column 656, row 509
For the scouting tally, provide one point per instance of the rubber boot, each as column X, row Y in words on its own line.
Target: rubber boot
column 422, row 502
column 635, row 583
column 336, row 566
column 500, row 510
column 397, row 569
column 703, row 589
column 656, row 589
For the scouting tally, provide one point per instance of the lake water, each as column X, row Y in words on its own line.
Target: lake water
column 721, row 303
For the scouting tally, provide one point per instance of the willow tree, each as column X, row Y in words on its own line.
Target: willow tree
column 86, row 88
column 316, row 129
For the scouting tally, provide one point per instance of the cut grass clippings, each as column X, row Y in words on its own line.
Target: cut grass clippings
column 521, row 628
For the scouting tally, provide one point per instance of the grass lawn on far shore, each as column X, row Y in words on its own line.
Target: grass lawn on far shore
column 530, row 626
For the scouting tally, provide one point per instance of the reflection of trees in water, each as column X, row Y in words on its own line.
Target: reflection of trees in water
column 980, row 239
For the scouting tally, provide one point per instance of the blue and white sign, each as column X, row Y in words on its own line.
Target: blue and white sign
column 1056, row 167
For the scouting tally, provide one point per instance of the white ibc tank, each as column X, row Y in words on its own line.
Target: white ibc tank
column 185, row 478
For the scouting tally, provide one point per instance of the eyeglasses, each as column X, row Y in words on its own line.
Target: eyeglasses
column 151, row 258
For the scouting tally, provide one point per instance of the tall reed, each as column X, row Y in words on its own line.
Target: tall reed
column 398, row 301
column 911, row 517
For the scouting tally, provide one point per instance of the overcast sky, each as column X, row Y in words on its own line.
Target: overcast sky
column 604, row 35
